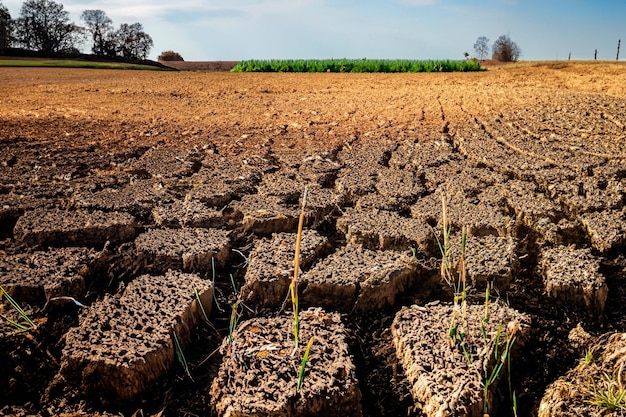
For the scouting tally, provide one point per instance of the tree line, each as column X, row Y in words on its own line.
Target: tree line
column 503, row 49
column 44, row 26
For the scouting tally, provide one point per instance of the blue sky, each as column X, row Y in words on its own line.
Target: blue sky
column 417, row 29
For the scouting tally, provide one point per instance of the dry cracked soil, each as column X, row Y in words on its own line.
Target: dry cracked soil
column 145, row 214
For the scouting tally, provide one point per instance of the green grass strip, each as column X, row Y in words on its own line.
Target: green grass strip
column 75, row 64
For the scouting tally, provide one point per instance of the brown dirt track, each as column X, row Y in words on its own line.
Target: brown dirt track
column 553, row 131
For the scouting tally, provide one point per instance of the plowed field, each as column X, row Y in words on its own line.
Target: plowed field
column 108, row 178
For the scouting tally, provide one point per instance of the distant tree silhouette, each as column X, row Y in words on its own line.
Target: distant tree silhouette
column 131, row 42
column 43, row 25
column 505, row 50
column 481, row 46
column 6, row 27
column 99, row 26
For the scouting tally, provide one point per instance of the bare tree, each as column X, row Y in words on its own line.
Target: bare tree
column 505, row 50
column 132, row 42
column 481, row 46
column 99, row 26
column 6, row 27
column 45, row 26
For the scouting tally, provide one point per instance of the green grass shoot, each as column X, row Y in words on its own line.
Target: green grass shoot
column 213, row 284
column 612, row 395
column 180, row 355
column 204, row 314
column 485, row 320
column 235, row 314
column 24, row 323
column 305, row 359
column 501, row 359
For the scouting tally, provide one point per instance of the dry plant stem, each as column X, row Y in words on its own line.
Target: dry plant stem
column 446, row 265
column 293, row 287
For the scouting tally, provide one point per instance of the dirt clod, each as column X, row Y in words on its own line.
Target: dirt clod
column 123, row 344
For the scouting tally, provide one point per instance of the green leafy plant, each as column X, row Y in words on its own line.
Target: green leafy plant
column 356, row 65
column 23, row 323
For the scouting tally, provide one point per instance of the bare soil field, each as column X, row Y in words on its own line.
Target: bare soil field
column 141, row 212
column 201, row 65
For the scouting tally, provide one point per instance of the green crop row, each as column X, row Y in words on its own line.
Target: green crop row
column 355, row 65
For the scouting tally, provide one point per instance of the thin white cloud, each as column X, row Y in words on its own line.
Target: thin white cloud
column 417, row 3
column 157, row 8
